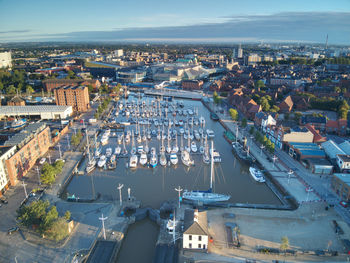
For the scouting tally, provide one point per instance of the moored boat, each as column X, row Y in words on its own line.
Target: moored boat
column 256, row 174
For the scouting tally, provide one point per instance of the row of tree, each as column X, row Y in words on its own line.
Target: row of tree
column 270, row 146
column 49, row 172
column 43, row 218
column 101, row 108
column 217, row 99
column 76, row 138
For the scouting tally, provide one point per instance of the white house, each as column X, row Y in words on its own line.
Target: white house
column 195, row 234
column 343, row 162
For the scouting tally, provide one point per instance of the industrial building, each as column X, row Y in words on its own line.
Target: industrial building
column 341, row 185
column 302, row 150
column 44, row 112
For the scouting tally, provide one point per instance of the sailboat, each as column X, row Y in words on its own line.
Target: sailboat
column 133, row 161
column 175, row 148
column 186, row 158
column 125, row 151
column 206, row 196
column 91, row 161
column 133, row 148
column 153, row 161
column 206, row 158
column 162, row 159
column 194, row 147
column 173, row 158
column 162, row 148
column 168, row 148
column 146, row 149
column 188, row 147
column 143, row 158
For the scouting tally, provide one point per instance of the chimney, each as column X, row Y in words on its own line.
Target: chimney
column 195, row 215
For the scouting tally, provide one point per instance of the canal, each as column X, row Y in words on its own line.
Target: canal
column 154, row 186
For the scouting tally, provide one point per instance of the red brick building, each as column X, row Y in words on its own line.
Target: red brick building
column 77, row 97
column 192, row 84
column 50, row 84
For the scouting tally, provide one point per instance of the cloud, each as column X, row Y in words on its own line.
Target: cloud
column 287, row 26
column 15, row 31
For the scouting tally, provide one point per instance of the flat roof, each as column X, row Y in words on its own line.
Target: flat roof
column 10, row 110
column 343, row 177
column 308, row 148
column 26, row 134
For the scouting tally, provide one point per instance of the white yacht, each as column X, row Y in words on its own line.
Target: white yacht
column 102, row 161
column 133, row 161
column 186, row 159
column 257, row 174
column 108, row 152
column 194, row 147
column 117, row 150
column 173, row 158
column 140, row 149
column 162, row 159
column 143, row 159
column 210, row 133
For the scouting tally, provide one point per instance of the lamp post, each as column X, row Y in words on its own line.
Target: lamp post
column 289, row 174
column 59, row 149
column 274, row 158
column 38, row 171
column 179, row 191
column 25, row 190
column 120, row 186
column 261, row 149
column 67, row 136
column 49, row 156
column 103, row 225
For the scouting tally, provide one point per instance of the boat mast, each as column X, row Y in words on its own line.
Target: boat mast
column 88, row 145
column 211, row 165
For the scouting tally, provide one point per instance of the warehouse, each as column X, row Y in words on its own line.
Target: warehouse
column 45, row 112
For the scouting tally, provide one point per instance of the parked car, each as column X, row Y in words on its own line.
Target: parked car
column 12, row 230
column 343, row 204
column 42, row 161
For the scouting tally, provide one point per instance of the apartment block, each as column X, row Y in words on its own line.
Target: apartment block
column 77, row 97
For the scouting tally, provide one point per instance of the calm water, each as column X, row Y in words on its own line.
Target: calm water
column 154, row 186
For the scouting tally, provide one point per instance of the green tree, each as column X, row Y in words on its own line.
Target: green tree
column 67, row 215
column 260, row 84
column 284, row 244
column 58, row 230
column 11, row 90
column 50, row 217
column 48, row 174
column 251, row 131
column 58, row 166
column 337, row 89
column 233, row 114
column 297, row 116
column 33, row 214
column 265, row 104
column 244, row 123
column 275, row 108
column 29, row 90
column 90, row 88
column 74, row 140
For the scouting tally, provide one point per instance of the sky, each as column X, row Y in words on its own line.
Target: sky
column 176, row 20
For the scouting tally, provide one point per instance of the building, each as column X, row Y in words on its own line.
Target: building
column 338, row 127
column 343, row 162
column 318, row 138
column 318, row 122
column 285, row 82
column 286, row 105
column 332, row 149
column 16, row 101
column 118, row 53
column 195, row 234
column 301, row 151
column 5, row 153
column 31, row 143
column 240, row 52
column 319, row 166
column 50, row 84
column 77, row 97
column 131, row 75
column 192, row 84
column 44, row 112
column 341, row 185
column 5, row 60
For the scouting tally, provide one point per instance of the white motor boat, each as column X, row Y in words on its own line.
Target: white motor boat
column 175, row 149
column 102, row 161
column 91, row 165
column 194, row 147
column 173, row 158
column 186, row 159
column 112, row 163
column 97, row 152
column 201, row 149
column 202, row 120
column 104, row 139
column 154, row 160
column 197, row 135
column 108, row 152
column 143, row 158
column 117, row 150
column 133, row 161
column 140, row 149
column 210, row 133
column 162, row 159
column 257, row 174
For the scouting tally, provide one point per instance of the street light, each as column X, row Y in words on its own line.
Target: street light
column 120, row 186
column 261, row 149
column 179, row 191
column 67, row 136
column 59, row 149
column 289, row 174
column 103, row 225
column 274, row 158
column 37, row 169
column 25, row 190
column 49, row 156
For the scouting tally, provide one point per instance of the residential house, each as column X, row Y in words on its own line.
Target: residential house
column 338, row 127
column 343, row 162
column 286, row 105
column 318, row 138
column 318, row 123
column 16, row 101
column 195, row 234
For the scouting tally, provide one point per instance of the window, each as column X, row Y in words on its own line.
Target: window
column 190, row 245
column 204, row 246
column 200, row 238
column 190, row 237
column 199, row 246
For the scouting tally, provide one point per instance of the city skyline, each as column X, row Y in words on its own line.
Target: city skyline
column 159, row 21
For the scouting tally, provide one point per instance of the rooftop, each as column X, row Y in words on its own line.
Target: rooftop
column 343, row 177
column 11, row 110
column 26, row 134
column 308, row 148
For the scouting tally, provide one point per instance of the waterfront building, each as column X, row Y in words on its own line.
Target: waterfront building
column 5, row 153
column 77, row 97
column 341, row 185
column 192, row 84
column 31, row 143
column 44, row 112
column 195, row 234
column 131, row 75
column 302, row 150
column 5, row 60
column 16, row 101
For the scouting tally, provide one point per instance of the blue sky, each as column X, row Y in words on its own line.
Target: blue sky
column 181, row 20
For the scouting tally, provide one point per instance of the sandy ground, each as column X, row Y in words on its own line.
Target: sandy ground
column 309, row 228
